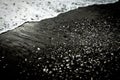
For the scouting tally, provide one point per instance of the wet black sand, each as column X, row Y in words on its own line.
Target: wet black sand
column 81, row 44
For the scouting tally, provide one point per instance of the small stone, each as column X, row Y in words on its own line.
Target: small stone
column 2, row 57
column 91, row 78
column 39, row 58
column 25, row 59
column 38, row 49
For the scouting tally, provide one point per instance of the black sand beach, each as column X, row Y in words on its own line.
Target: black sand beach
column 82, row 44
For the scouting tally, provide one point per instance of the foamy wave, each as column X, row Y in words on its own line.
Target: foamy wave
column 15, row 12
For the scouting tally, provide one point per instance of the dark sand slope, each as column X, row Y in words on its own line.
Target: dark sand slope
column 80, row 44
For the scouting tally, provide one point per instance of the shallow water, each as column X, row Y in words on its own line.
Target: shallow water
column 15, row 12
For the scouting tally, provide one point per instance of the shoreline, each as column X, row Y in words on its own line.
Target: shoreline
column 80, row 44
